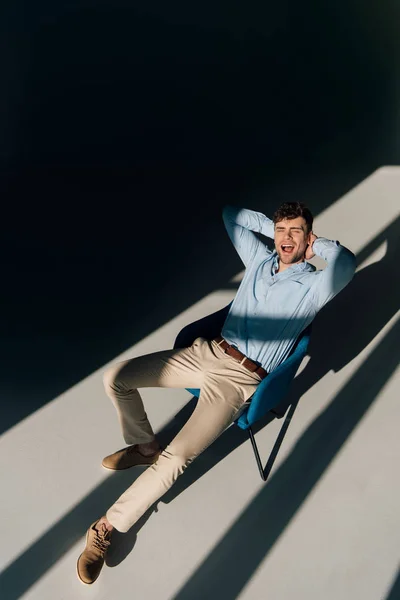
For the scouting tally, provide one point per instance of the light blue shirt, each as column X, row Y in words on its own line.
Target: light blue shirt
column 271, row 309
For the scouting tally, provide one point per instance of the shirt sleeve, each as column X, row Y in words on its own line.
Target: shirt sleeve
column 241, row 225
column 341, row 265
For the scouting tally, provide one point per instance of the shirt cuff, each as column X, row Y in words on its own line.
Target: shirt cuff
column 321, row 244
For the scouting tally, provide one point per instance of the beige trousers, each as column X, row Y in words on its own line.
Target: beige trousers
column 225, row 386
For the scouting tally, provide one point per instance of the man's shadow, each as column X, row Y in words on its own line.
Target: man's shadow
column 340, row 332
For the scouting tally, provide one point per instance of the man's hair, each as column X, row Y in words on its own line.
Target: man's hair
column 291, row 210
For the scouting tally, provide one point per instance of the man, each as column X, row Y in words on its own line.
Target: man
column 278, row 297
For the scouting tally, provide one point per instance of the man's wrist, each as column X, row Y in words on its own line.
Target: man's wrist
column 310, row 253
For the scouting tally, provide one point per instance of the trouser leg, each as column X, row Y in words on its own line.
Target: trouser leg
column 212, row 415
column 225, row 385
column 169, row 368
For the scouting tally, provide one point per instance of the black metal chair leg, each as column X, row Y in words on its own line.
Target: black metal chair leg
column 270, row 463
column 256, row 453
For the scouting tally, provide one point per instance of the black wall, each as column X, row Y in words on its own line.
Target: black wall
column 125, row 128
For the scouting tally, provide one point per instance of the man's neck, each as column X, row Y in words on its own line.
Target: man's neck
column 282, row 266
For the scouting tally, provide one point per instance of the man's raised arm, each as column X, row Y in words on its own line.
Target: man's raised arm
column 241, row 223
column 341, row 265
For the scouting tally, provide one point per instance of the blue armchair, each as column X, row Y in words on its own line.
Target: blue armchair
column 269, row 393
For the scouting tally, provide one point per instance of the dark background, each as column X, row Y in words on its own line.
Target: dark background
column 124, row 130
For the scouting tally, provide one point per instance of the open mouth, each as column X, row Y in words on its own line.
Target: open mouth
column 287, row 248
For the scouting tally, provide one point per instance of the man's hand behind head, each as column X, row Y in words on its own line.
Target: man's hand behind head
column 309, row 251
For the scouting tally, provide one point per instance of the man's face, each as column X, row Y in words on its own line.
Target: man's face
column 291, row 240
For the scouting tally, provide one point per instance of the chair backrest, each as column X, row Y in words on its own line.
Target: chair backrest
column 208, row 327
column 271, row 391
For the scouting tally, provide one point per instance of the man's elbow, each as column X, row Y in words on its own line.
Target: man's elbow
column 347, row 264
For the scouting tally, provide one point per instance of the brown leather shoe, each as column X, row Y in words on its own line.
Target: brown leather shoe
column 128, row 457
column 92, row 559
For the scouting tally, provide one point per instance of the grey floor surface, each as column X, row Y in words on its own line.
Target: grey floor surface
column 326, row 523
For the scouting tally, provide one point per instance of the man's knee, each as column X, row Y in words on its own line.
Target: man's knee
column 113, row 380
column 174, row 462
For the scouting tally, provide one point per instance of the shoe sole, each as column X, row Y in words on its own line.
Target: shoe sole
column 126, row 468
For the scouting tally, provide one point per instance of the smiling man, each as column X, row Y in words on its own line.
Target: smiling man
column 281, row 292
column 279, row 296
column 293, row 236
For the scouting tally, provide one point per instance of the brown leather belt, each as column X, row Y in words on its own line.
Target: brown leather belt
column 242, row 358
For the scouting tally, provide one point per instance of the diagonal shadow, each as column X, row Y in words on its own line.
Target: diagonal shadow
column 47, row 550
column 266, row 517
column 394, row 592
column 58, row 540
column 285, row 493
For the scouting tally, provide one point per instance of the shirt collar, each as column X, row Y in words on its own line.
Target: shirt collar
column 275, row 263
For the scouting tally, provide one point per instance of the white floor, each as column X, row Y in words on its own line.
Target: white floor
column 326, row 523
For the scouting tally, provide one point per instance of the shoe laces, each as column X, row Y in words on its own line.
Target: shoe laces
column 100, row 540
